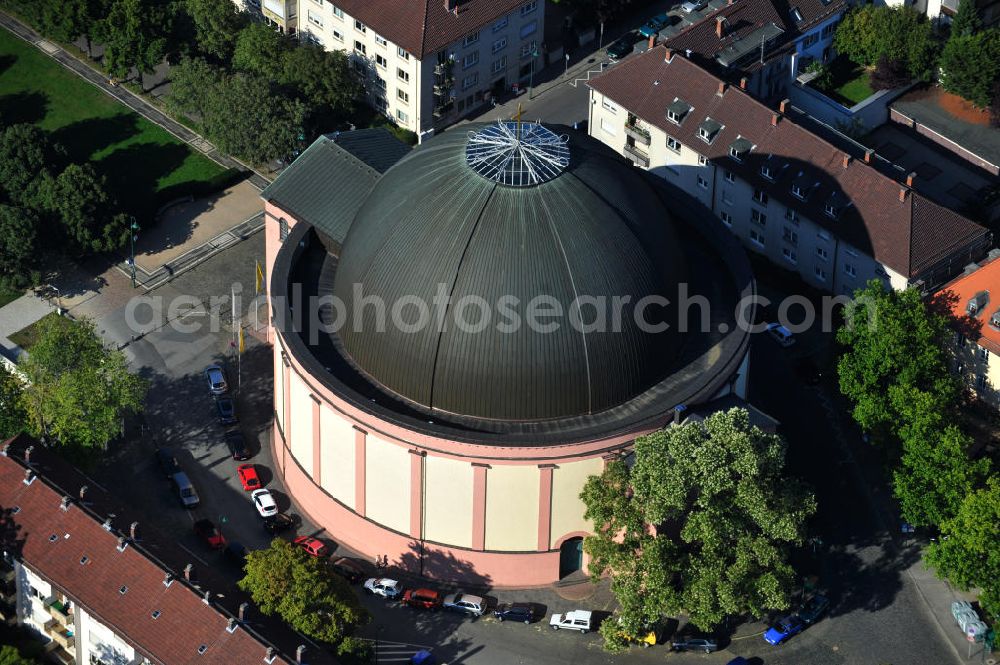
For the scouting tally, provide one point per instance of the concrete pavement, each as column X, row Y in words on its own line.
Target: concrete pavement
column 17, row 315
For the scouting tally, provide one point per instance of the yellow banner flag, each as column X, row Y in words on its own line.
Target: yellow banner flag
column 243, row 341
column 260, row 277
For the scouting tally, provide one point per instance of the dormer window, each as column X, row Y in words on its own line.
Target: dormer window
column 708, row 130
column 977, row 303
column 798, row 191
column 831, row 210
column 678, row 110
column 740, row 148
column 995, row 319
column 767, row 171
column 797, row 15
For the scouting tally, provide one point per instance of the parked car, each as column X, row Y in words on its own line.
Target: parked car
column 813, row 609
column 348, row 569
column 278, row 522
column 780, row 334
column 185, row 490
column 236, row 553
column 693, row 6
column 264, row 503
column 580, row 620
column 216, row 378
column 654, row 25
column 465, row 603
column 248, row 477
column 225, row 407
column 784, row 629
column 383, row 586
column 705, row 644
column 425, row 599
column 523, row 612
column 167, row 462
column 236, row 444
column 209, row 534
column 623, row 46
column 312, row 546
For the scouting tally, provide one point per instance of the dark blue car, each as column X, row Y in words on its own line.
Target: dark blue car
column 654, row 25
column 784, row 629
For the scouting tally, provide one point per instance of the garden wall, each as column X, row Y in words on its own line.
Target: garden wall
column 866, row 115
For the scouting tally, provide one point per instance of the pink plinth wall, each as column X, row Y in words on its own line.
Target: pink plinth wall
column 497, row 569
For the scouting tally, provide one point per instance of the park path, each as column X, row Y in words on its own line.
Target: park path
column 129, row 99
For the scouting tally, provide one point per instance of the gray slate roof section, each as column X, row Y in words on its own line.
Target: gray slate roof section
column 327, row 184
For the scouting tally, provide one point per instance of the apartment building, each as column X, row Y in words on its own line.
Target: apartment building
column 834, row 216
column 765, row 41
column 427, row 63
column 973, row 299
column 942, row 11
column 93, row 591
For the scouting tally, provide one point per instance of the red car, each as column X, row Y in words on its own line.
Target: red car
column 313, row 546
column 209, row 534
column 426, row 599
column 248, row 476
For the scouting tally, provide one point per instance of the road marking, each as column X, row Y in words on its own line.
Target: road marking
column 197, row 558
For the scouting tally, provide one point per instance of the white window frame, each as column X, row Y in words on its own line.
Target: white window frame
column 757, row 237
column 608, row 105
column 790, row 255
column 470, row 60
column 528, row 7
column 360, row 27
column 702, row 182
column 501, row 24
column 470, row 39
column 499, row 45
column 673, row 144
column 726, row 218
column 402, row 74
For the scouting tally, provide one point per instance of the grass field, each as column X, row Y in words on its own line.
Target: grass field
column 143, row 163
column 849, row 83
column 27, row 337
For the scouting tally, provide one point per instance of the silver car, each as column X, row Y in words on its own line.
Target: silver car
column 463, row 602
column 216, row 379
column 693, row 6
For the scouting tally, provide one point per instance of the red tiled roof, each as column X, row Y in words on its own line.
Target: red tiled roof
column 907, row 235
column 956, row 295
column 185, row 621
column 426, row 26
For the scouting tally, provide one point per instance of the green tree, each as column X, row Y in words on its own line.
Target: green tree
column 324, row 78
column 260, row 50
column 968, row 552
column 9, row 655
column 18, row 228
column 69, row 19
column 283, row 580
column 247, row 119
column 970, row 66
column 935, row 472
column 134, row 37
column 78, row 390
column 966, row 21
column 892, row 342
column 901, row 33
column 79, row 199
column 192, row 82
column 13, row 418
column 216, row 24
column 26, row 157
column 702, row 521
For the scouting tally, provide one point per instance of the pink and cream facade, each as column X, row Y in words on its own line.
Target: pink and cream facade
column 443, row 495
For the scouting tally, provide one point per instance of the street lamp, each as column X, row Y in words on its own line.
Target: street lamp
column 132, row 229
column 531, row 75
column 566, row 72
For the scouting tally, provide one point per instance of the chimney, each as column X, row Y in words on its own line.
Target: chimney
column 122, row 543
column 679, row 413
column 65, row 502
column 244, row 607
column 83, row 492
column 910, row 177
column 29, row 476
column 669, row 55
column 133, row 531
column 4, row 451
column 300, row 652
column 652, row 41
column 868, row 156
column 902, row 194
column 743, row 83
column 231, row 625
column 451, row 6
column 269, row 655
column 847, row 160
column 722, row 88
column 27, row 454
column 207, row 599
column 774, row 119
column 720, row 26
column 189, row 572
column 107, row 524
column 168, row 579
column 783, row 106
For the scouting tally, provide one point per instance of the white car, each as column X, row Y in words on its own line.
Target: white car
column 383, row 586
column 463, row 602
column 575, row 620
column 264, row 502
column 781, row 334
column 693, row 6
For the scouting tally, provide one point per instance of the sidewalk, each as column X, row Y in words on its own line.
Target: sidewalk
column 17, row 315
column 129, row 99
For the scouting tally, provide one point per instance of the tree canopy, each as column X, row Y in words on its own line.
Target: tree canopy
column 134, row 34
column 702, row 521
column 900, row 33
column 78, row 198
column 9, row 655
column 78, row 390
column 970, row 66
column 13, row 417
column 283, row 580
column 27, row 159
column 261, row 50
column 217, row 24
column 966, row 21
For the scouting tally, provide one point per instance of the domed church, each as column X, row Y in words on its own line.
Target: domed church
column 466, row 331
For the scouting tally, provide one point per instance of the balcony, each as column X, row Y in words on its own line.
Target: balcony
column 444, row 68
column 61, row 656
column 637, row 155
column 58, row 611
column 640, row 134
column 60, row 635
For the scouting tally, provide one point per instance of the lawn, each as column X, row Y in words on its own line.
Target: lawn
column 28, row 337
column 8, row 295
column 848, row 82
column 144, row 165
